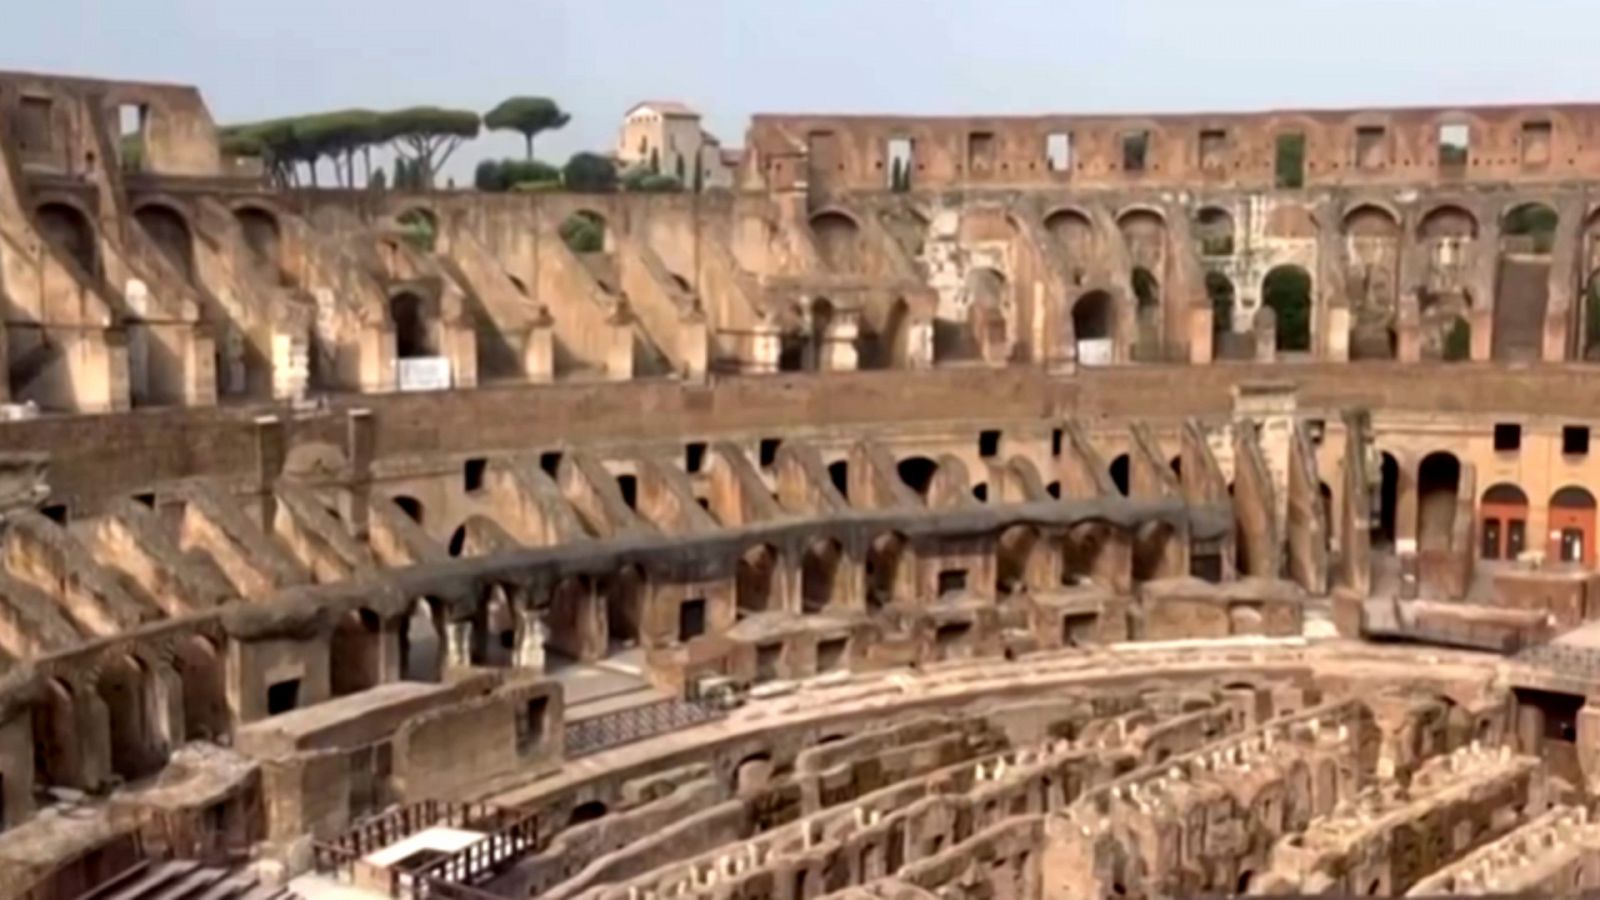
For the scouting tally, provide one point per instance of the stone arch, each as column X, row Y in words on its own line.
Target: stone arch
column 1572, row 525
column 58, row 746
column 1287, row 291
column 205, row 701
column 586, row 231
column 1502, row 522
column 1074, row 235
column 1438, row 482
column 1448, row 221
column 125, row 687
column 413, row 334
column 1014, row 557
column 1214, row 231
column 819, row 573
column 422, row 642
column 754, row 580
column 1522, row 290
column 1529, row 228
column 1372, row 235
column 884, row 569
column 1144, row 230
column 1094, row 317
column 355, row 652
column 495, row 629
column 412, row 507
column 838, row 239
column 170, row 231
column 263, row 235
column 917, row 473
column 72, row 233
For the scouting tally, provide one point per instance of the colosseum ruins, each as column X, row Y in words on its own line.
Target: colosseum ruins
column 1013, row 508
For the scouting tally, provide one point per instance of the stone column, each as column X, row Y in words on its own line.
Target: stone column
column 530, row 641
column 458, row 644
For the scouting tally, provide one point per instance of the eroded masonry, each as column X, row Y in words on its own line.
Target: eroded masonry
column 1028, row 508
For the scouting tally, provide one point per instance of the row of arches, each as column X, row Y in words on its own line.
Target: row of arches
column 71, row 231
column 1503, row 511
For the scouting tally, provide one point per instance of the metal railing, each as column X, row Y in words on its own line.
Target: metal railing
column 339, row 854
column 454, row 875
column 635, row 723
column 1583, row 662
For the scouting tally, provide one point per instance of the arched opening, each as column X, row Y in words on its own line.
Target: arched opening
column 170, row 232
column 420, row 227
column 820, row 316
column 422, row 643
column 458, row 540
column 69, row 230
column 1522, row 290
column 495, row 629
column 1219, row 288
column 586, row 812
column 1438, row 482
column 1213, row 231
column 355, row 652
column 1120, row 473
column 411, row 506
column 837, row 239
column 262, row 236
column 57, row 747
column 585, row 232
column 412, row 336
column 839, row 474
column 885, row 557
column 1013, row 558
column 1372, row 242
column 819, row 570
column 1388, row 500
column 1325, row 492
column 1503, row 522
column 124, row 688
column 625, row 596
column 1572, row 526
column 1150, row 544
column 1074, row 238
column 753, row 581
column 205, row 702
column 1145, row 233
column 1092, row 328
column 917, row 472
column 1287, row 291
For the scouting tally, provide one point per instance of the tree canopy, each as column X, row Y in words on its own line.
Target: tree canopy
column 528, row 116
column 590, row 173
column 425, row 136
column 428, row 135
column 509, row 174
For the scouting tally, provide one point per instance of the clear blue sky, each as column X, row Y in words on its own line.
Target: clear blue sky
column 731, row 58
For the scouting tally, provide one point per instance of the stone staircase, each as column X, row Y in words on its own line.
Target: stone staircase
column 186, row 880
column 1522, row 293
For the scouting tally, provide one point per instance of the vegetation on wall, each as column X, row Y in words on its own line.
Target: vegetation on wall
column 424, row 137
column 589, row 173
column 584, row 232
column 513, row 174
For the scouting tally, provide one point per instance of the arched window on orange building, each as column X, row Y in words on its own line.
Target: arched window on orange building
column 1572, row 526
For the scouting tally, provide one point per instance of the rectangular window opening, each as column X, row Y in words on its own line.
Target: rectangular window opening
column 830, row 654
column 1575, row 440
column 131, row 120
column 694, row 456
column 767, row 658
column 530, row 730
column 1536, row 140
column 1290, row 161
column 472, row 473
column 952, row 581
column 33, row 129
column 1135, row 151
column 769, row 451
column 550, row 462
column 55, row 512
column 1213, row 149
column 1058, row 152
column 980, row 151
column 691, row 618
column 1455, row 146
column 989, row 444
column 1056, row 436
column 901, row 158
column 283, row 696
column 1372, row 147
column 629, row 486
column 148, row 499
column 1507, row 437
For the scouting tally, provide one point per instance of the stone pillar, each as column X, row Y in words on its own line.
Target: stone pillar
column 458, row 644
column 1405, row 529
column 530, row 641
column 355, row 499
column 1202, row 335
column 199, row 368
column 1408, row 329
column 1265, row 328
column 694, row 345
column 1336, row 343
column 291, row 366
column 766, row 345
column 619, row 344
column 1589, row 745
column 839, row 352
column 269, row 463
column 539, row 352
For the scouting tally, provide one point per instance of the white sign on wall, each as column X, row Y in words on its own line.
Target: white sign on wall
column 422, row 373
column 1094, row 352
